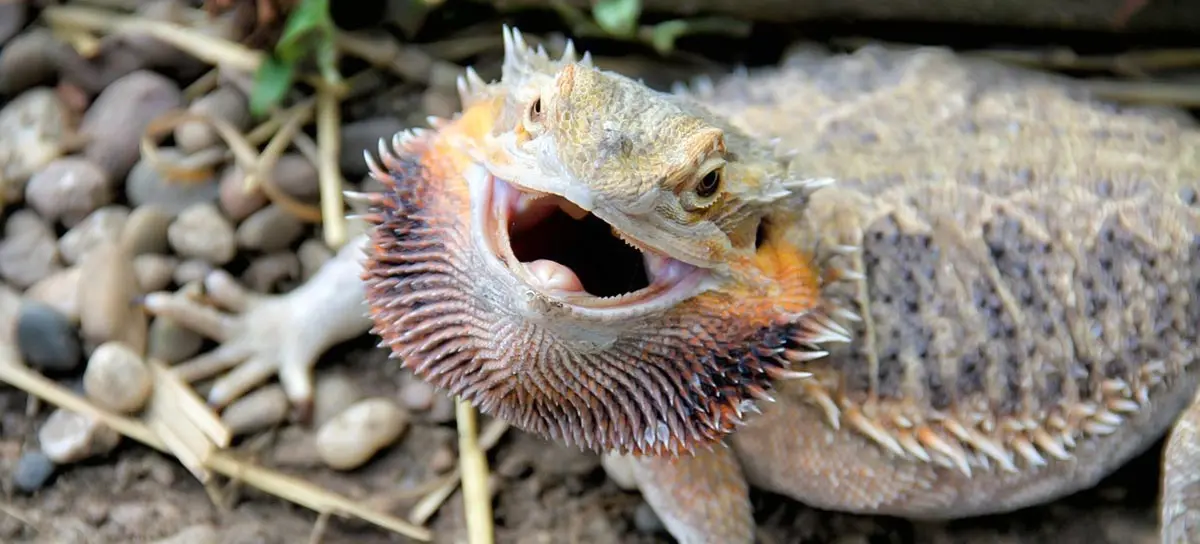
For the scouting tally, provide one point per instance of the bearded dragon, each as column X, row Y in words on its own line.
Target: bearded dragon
column 963, row 289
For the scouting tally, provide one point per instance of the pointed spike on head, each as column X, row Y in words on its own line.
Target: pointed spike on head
column 569, row 53
column 474, row 80
column 464, row 93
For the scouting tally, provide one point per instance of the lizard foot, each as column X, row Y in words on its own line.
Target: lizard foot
column 263, row 335
column 700, row 498
column 1180, row 514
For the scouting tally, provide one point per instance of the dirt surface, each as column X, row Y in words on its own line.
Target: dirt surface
column 546, row 493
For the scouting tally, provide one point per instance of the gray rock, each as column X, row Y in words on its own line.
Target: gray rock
column 68, row 189
column 28, row 251
column 33, row 470
column 12, row 17
column 146, row 187
column 115, row 121
column 46, row 339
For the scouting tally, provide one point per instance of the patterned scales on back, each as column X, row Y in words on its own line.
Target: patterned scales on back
column 1029, row 260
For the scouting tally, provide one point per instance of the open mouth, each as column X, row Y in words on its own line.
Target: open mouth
column 565, row 252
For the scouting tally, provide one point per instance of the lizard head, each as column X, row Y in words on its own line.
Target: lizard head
column 669, row 177
column 593, row 261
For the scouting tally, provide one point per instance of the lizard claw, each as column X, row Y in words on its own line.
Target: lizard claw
column 265, row 335
column 251, row 329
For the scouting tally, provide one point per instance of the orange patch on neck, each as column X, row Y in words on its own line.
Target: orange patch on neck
column 778, row 281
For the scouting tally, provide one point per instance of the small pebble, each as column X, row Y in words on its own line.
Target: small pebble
column 28, row 60
column 332, row 395
column 67, row 437
column 146, row 186
column 295, row 447
column 117, row 378
column 117, row 118
column 192, row 270
column 269, row 273
column 103, row 226
column 364, row 135
column 294, row 175
column 12, row 18
column 32, row 129
column 195, row 534
column 153, row 51
column 106, row 300
column 313, row 254
column 269, row 229
column 146, row 230
column 236, row 201
column 417, row 395
column 359, row 432
column 201, row 232
column 154, row 272
column 442, row 410
column 60, row 291
column 225, row 103
column 442, row 460
column 171, row 342
column 33, row 470
column 68, row 189
column 28, row 251
column 47, row 340
column 260, row 409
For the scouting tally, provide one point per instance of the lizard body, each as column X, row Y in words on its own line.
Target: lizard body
column 1016, row 272
column 1028, row 292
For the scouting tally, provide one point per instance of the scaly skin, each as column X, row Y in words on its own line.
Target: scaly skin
column 1024, row 282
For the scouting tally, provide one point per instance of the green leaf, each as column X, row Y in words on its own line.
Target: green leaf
column 665, row 33
column 618, row 17
column 308, row 21
column 271, row 84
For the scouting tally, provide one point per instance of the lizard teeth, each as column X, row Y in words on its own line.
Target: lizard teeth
column 661, row 269
column 571, row 209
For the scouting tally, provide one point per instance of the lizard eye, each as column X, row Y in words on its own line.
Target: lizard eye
column 534, row 115
column 709, row 184
column 535, row 110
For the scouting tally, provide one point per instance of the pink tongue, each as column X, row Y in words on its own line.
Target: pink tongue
column 552, row 276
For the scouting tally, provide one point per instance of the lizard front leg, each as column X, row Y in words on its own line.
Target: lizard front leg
column 268, row 334
column 701, row 498
column 1180, row 513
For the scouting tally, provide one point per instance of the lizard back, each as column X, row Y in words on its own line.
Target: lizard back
column 1028, row 270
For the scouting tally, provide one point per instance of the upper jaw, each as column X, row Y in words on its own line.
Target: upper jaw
column 535, row 169
column 498, row 206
